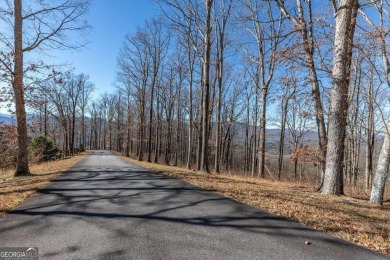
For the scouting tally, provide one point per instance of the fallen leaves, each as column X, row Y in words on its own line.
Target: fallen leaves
column 13, row 191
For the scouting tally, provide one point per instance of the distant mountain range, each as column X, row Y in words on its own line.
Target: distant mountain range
column 7, row 119
column 272, row 135
column 272, row 140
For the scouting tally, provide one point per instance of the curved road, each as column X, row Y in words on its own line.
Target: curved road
column 107, row 208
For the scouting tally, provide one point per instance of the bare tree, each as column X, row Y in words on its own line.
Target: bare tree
column 369, row 98
column 303, row 21
column 222, row 15
column 379, row 32
column 156, row 44
column 134, row 64
column 290, row 86
column 260, row 16
column 204, row 164
column 345, row 18
column 87, row 88
column 296, row 121
column 39, row 25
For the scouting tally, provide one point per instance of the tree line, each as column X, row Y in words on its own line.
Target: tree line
column 202, row 84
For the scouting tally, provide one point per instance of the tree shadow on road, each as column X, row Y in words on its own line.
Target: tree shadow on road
column 112, row 196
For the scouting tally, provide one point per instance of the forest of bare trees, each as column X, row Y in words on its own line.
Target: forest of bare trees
column 283, row 90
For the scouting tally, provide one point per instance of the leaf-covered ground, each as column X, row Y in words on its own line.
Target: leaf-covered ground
column 13, row 191
column 345, row 217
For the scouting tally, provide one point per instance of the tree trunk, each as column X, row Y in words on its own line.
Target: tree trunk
column 204, row 167
column 246, row 146
column 219, row 106
column 282, row 133
column 370, row 138
column 177, row 150
column 128, row 127
column 83, row 133
column 345, row 26
column 380, row 177
column 158, row 130
column 191, row 123
column 141, row 127
column 262, row 132
column 72, row 144
column 17, row 84
column 254, row 131
column 167, row 156
column 322, row 137
column 382, row 171
column 66, row 132
column 219, row 73
column 45, row 119
column 151, row 120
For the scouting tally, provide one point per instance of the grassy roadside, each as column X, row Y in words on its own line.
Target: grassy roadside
column 344, row 217
column 13, row 191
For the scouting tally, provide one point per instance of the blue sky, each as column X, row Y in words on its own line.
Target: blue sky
column 111, row 20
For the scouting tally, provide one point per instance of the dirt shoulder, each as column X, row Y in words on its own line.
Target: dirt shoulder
column 13, row 191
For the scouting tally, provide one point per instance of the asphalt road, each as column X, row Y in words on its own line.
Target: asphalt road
column 106, row 208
